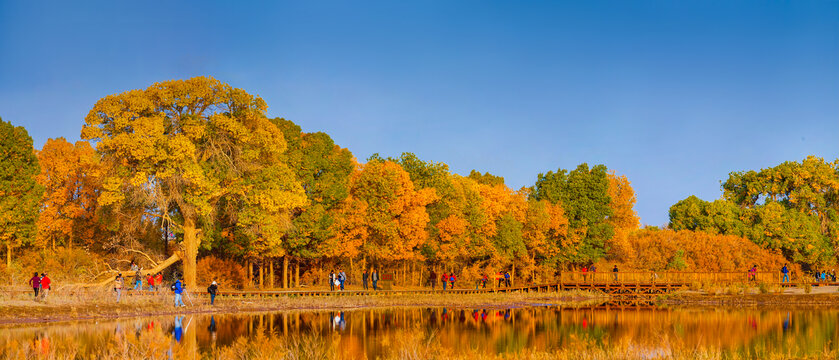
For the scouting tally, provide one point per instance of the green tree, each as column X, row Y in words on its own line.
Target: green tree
column 486, row 178
column 20, row 194
column 324, row 170
column 584, row 194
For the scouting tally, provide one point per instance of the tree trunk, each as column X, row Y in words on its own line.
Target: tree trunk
column 191, row 242
column 351, row 269
column 271, row 274
column 261, row 275
column 250, row 274
column 70, row 242
column 512, row 273
column 285, row 272
column 9, row 254
column 297, row 274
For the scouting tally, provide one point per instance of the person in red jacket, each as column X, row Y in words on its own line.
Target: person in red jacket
column 158, row 279
column 444, row 278
column 150, row 280
column 45, row 285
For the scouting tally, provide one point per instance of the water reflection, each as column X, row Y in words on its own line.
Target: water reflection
column 376, row 333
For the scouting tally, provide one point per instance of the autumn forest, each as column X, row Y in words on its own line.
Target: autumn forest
column 195, row 166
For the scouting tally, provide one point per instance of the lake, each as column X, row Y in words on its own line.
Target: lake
column 639, row 331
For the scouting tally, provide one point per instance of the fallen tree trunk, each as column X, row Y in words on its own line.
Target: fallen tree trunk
column 177, row 256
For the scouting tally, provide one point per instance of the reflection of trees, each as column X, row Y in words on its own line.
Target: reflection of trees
column 373, row 333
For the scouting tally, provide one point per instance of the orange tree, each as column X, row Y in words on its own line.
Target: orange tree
column 70, row 176
column 383, row 218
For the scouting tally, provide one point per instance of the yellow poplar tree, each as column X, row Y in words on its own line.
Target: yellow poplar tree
column 189, row 145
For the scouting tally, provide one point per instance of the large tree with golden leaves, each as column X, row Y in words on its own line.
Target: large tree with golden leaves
column 189, row 146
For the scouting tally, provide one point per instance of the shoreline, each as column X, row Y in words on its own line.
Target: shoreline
column 20, row 312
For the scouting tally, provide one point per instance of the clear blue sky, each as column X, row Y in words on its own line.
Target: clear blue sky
column 673, row 94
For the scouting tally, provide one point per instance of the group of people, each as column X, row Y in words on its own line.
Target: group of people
column 340, row 279
column 41, row 285
column 825, row 276
column 374, row 277
column 337, row 280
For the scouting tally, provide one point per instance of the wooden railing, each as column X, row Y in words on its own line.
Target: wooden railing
column 769, row 277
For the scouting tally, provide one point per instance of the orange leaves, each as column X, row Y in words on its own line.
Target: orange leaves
column 70, row 175
column 384, row 214
column 699, row 251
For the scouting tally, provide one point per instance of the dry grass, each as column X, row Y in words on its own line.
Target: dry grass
column 101, row 303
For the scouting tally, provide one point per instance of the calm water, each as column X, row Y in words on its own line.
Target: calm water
column 383, row 332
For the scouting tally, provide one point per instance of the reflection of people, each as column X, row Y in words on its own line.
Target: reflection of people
column 786, row 322
column 212, row 329
column 178, row 332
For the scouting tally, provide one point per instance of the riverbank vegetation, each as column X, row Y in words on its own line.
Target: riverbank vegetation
column 195, row 167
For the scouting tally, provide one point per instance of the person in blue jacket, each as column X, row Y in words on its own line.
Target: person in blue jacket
column 785, row 271
column 178, row 288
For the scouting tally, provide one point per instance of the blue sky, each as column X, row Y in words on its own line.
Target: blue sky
column 673, row 94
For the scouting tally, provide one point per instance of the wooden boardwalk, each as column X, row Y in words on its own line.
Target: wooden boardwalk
column 612, row 289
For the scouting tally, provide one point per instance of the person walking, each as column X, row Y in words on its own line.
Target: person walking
column 444, row 278
column 364, row 277
column 484, row 280
column 500, row 278
column 213, row 290
column 584, row 270
column 507, row 279
column 433, row 280
column 138, row 280
column 615, row 273
column 35, row 281
column 785, row 271
column 150, row 281
column 452, row 279
column 118, row 284
column 342, row 277
column 158, row 281
column 332, row 280
column 375, row 278
column 45, row 285
column 178, row 288
column 753, row 273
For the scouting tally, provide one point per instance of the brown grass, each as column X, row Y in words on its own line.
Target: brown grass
column 101, row 303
